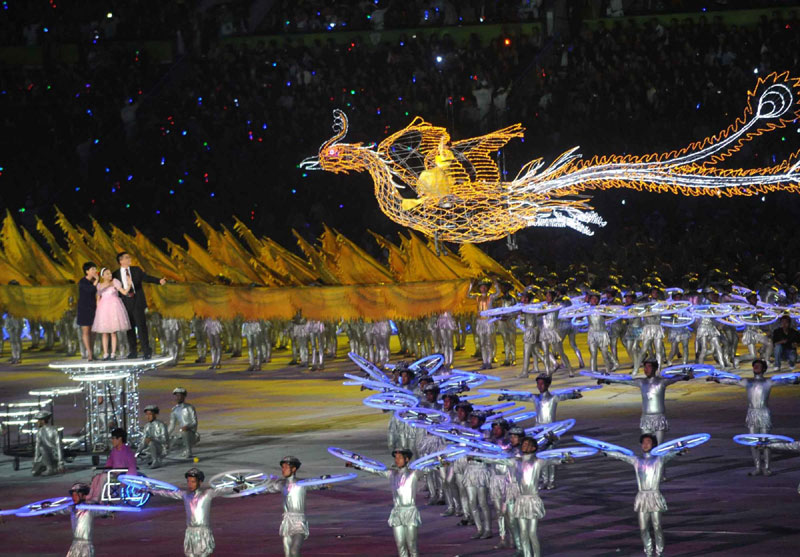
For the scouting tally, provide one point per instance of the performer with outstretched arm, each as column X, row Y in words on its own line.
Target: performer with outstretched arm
column 759, row 417
column 653, row 389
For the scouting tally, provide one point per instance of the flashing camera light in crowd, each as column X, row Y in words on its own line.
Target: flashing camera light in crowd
column 622, row 202
column 109, row 15
column 507, row 42
column 755, row 71
column 439, row 59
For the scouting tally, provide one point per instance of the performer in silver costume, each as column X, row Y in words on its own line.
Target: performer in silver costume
column 568, row 332
column 528, row 507
column 402, row 434
column 652, row 339
column 171, row 328
column 649, row 502
column 507, row 326
column 200, row 339
column 550, row 338
column 679, row 337
column 546, row 404
column 597, row 338
column 484, row 327
column 82, row 523
column 503, row 489
column 529, row 325
column 252, row 332
column 759, row 417
column 426, row 443
column 294, row 526
column 476, row 479
column 48, row 457
column 450, row 487
column 404, row 518
column 198, row 540
column 299, row 335
column 753, row 336
column 14, row 329
column 183, row 423
column 793, row 446
column 316, row 332
column 653, row 388
column 155, row 437
column 708, row 339
column 631, row 338
column 381, row 335
column 213, row 331
column 443, row 336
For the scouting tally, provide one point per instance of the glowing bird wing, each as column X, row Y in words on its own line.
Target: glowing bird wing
column 476, row 154
column 407, row 150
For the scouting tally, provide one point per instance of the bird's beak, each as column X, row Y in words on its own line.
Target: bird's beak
column 310, row 163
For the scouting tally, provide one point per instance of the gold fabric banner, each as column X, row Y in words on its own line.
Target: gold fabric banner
column 325, row 303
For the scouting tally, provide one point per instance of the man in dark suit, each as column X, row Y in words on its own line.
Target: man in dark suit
column 135, row 302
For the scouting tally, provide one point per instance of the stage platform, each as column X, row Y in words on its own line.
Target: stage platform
column 252, row 419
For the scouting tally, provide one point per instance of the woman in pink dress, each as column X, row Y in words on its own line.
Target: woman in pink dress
column 110, row 316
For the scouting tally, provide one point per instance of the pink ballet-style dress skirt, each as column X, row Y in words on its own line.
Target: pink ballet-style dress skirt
column 111, row 315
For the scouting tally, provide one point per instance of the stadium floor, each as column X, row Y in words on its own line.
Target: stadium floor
column 252, row 419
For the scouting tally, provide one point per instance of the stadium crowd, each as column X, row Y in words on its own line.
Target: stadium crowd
column 221, row 130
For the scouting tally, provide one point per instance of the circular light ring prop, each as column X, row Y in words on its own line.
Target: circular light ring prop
column 671, row 307
column 357, row 459
column 643, row 309
column 459, row 384
column 324, row 480
column 759, row 318
column 481, row 445
column 576, row 389
column 575, row 311
column 369, row 368
column 143, row 482
column 541, row 307
column 474, row 375
column 487, row 455
column 506, row 392
column 602, row 445
column 680, row 444
column 741, row 290
column 581, row 322
column 422, row 417
column 521, row 417
column 793, row 376
column 556, row 428
column 731, row 321
column 428, row 364
column 433, row 459
column 454, row 432
column 677, row 320
column 756, row 439
column 375, row 385
column 493, row 407
column 390, row 401
column 504, row 416
column 740, row 308
column 246, row 478
column 711, row 311
column 45, row 506
column 682, row 369
column 107, row 508
column 248, row 492
column 606, row 376
column 566, row 452
column 500, row 311
column 135, row 497
column 718, row 374
column 610, row 311
column 9, row 512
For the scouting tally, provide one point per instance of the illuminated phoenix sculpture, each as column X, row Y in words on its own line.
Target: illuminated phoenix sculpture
column 454, row 191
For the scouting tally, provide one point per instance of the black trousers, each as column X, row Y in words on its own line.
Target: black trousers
column 135, row 307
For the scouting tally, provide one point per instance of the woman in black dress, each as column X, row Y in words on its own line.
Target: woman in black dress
column 87, row 304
